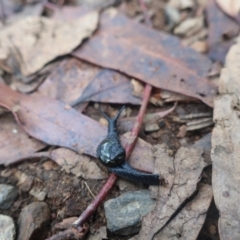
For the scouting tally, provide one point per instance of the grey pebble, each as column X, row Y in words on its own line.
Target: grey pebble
column 124, row 213
column 33, row 220
column 8, row 194
column 7, row 228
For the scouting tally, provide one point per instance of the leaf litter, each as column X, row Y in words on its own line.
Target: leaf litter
column 160, row 55
column 45, row 39
column 183, row 202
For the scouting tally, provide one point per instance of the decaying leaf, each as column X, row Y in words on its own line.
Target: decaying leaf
column 56, row 123
column 182, row 174
column 15, row 144
column 40, row 40
column 225, row 147
column 150, row 56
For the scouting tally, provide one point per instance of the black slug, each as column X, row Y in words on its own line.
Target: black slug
column 111, row 153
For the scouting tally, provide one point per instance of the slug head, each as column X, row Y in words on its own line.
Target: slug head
column 111, row 153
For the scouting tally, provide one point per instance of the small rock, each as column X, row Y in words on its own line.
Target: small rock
column 124, row 213
column 66, row 223
column 8, row 194
column 151, row 127
column 98, row 234
column 172, row 15
column 38, row 193
column 186, row 4
column 189, row 27
column 212, row 230
column 182, row 131
column 7, row 228
column 125, row 185
column 200, row 46
column 27, row 184
column 32, row 220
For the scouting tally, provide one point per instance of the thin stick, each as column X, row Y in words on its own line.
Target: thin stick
column 89, row 190
column 129, row 147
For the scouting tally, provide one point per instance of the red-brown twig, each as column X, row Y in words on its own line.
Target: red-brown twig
column 129, row 148
column 112, row 178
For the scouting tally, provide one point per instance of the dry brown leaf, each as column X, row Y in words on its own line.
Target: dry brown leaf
column 225, row 147
column 74, row 81
column 230, row 7
column 40, row 40
column 58, row 124
column 15, row 144
column 153, row 57
column 182, row 174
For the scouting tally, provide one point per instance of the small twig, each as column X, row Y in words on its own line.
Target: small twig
column 129, row 147
column 89, row 190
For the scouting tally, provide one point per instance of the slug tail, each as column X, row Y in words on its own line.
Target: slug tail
column 130, row 173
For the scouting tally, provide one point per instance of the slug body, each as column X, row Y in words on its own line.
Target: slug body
column 111, row 153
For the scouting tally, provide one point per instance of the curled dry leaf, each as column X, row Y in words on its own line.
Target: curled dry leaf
column 40, row 40
column 182, row 174
column 56, row 124
column 150, row 56
column 225, row 147
column 15, row 144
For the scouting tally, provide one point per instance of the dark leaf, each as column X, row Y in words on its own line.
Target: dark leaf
column 155, row 58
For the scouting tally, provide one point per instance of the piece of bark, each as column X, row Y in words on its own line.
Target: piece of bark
column 189, row 221
column 150, row 56
column 225, row 147
column 181, row 174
